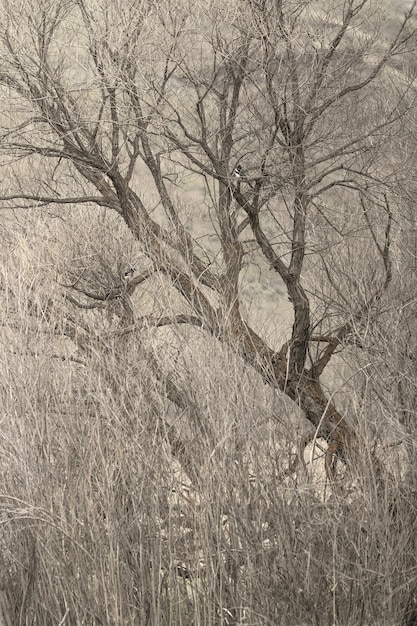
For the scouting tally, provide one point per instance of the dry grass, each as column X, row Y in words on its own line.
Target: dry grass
column 104, row 520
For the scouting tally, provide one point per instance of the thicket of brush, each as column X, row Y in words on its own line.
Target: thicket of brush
column 105, row 520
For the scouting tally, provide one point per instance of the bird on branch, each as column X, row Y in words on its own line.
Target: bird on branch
column 238, row 172
column 128, row 273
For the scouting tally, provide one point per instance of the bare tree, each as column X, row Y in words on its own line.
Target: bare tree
column 284, row 113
